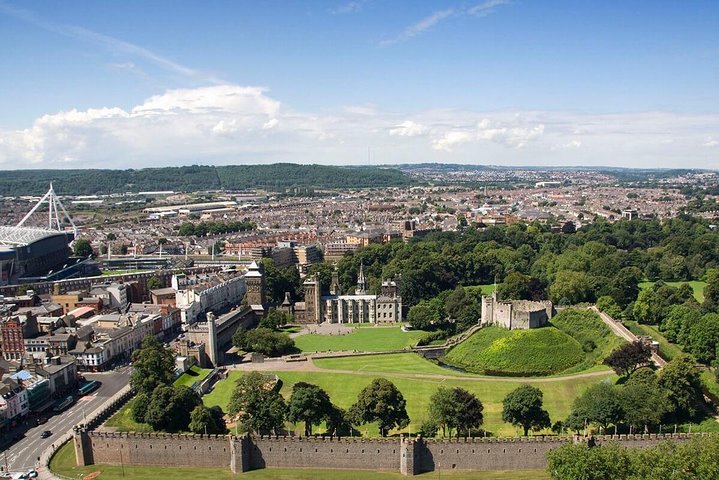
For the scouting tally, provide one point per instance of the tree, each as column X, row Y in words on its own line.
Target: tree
column 599, row 404
column 681, row 382
column 455, row 408
column 263, row 340
column 470, row 412
column 169, row 408
column 207, row 420
column 643, row 402
column 703, row 338
column 571, row 287
column 309, row 404
column 111, row 237
column 152, row 365
column 523, row 407
column 154, row 283
column 630, row 356
column 579, row 462
column 515, row 287
column 609, row 306
column 274, row 319
column 381, row 402
column 82, row 248
column 257, row 404
column 139, row 407
column 337, row 422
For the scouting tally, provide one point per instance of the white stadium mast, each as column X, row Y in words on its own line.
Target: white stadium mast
column 54, row 218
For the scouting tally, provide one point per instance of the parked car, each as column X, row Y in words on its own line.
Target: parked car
column 31, row 473
column 45, row 434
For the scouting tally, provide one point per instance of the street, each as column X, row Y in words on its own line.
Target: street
column 22, row 455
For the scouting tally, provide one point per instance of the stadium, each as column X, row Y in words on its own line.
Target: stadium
column 32, row 254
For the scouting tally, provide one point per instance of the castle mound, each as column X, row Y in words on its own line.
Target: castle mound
column 497, row 351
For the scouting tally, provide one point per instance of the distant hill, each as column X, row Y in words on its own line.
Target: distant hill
column 275, row 177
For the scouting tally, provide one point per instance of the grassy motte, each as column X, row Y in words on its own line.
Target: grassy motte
column 497, row 351
column 592, row 334
column 63, row 463
column 374, row 339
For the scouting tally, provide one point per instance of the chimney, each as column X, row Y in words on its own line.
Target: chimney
column 56, row 288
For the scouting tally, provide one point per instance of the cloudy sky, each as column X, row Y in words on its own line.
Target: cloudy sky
column 129, row 84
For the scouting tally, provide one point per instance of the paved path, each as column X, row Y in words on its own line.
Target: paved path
column 622, row 331
column 309, row 366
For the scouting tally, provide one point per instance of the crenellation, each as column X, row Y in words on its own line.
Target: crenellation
column 408, row 455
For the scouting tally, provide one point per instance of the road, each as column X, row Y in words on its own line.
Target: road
column 23, row 454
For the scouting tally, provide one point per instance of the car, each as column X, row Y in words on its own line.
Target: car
column 45, row 434
column 32, row 473
column 41, row 420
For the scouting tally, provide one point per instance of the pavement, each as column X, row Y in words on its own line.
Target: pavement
column 23, row 454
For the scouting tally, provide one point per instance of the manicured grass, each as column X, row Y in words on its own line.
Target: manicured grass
column 697, row 286
column 344, row 387
column 371, row 339
column 593, row 335
column 406, row 363
column 194, row 374
column 667, row 350
column 494, row 350
column 388, row 363
column 63, row 463
column 122, row 421
column 484, row 289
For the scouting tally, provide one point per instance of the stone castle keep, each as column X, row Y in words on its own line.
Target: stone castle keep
column 408, row 456
column 515, row 314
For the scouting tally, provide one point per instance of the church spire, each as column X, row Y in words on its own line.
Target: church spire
column 361, row 284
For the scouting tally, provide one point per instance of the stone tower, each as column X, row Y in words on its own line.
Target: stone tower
column 255, row 282
column 212, row 351
column 335, row 287
column 313, row 311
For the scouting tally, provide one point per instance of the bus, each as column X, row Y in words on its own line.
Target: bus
column 63, row 404
column 88, row 387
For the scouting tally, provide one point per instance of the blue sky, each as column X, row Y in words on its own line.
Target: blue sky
column 129, row 83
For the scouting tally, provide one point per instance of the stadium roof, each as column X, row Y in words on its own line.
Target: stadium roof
column 18, row 236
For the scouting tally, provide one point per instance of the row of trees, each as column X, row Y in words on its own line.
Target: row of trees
column 642, row 401
column 695, row 459
column 258, row 405
column 600, row 259
column 189, row 229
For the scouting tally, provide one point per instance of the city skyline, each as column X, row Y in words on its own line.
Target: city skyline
column 493, row 82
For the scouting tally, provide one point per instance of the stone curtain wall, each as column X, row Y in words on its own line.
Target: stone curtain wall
column 409, row 456
column 331, row 453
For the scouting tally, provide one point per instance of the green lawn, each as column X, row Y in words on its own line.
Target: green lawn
column 344, row 387
column 595, row 337
column 388, row 363
column 667, row 350
column 63, row 463
column 697, row 286
column 495, row 350
column 484, row 289
column 370, row 339
column 194, row 374
column 122, row 421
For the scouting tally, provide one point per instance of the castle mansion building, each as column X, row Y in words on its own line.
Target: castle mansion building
column 360, row 307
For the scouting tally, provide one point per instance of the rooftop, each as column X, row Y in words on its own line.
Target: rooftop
column 18, row 236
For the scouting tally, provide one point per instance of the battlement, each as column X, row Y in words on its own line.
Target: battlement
column 156, row 436
column 409, row 455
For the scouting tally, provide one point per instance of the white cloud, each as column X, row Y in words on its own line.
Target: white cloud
column 353, row 6
column 408, row 128
column 241, row 124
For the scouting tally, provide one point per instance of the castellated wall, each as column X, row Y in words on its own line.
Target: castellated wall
column 331, row 453
column 159, row 449
column 408, row 456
